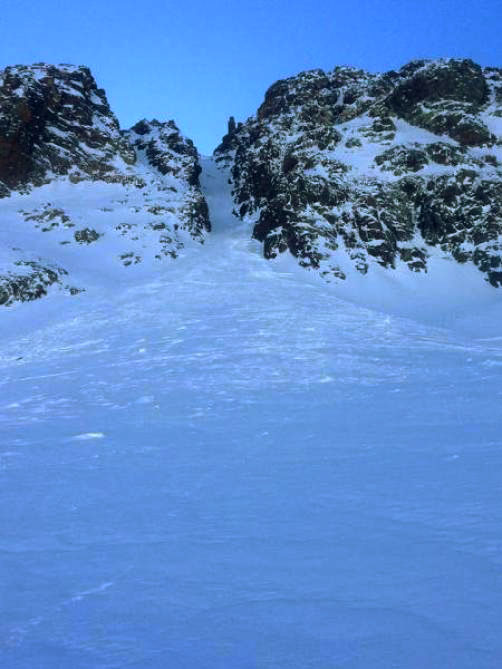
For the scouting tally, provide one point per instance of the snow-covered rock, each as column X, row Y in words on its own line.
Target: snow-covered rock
column 351, row 172
column 346, row 169
column 70, row 177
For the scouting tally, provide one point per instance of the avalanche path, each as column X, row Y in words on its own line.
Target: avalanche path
column 227, row 465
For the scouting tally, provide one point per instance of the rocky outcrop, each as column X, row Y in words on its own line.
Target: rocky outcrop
column 29, row 281
column 162, row 146
column 345, row 169
column 55, row 121
column 136, row 191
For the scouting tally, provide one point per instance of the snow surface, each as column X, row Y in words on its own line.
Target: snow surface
column 228, row 463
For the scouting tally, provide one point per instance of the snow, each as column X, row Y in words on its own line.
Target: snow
column 121, row 214
column 414, row 134
column 89, row 435
column 224, row 462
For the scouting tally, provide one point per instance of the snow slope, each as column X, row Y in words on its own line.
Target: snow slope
column 225, row 464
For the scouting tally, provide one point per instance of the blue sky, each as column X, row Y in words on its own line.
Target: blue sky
column 201, row 62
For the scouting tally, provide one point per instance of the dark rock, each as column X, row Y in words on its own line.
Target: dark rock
column 402, row 159
column 30, row 284
column 459, row 80
column 86, row 236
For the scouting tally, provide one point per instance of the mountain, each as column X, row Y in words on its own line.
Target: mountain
column 220, row 461
column 100, row 195
column 347, row 169
column 350, row 172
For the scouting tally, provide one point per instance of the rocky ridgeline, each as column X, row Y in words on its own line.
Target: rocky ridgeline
column 56, row 127
column 160, row 145
column 346, row 169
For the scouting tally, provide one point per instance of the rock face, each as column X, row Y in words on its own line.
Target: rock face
column 137, row 191
column 55, row 121
column 346, row 169
column 161, row 146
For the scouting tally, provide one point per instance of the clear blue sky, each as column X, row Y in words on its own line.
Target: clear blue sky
column 200, row 61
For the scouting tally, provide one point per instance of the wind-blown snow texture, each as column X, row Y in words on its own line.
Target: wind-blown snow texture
column 222, row 461
column 223, row 464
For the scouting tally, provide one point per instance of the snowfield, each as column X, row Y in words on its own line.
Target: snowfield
column 226, row 463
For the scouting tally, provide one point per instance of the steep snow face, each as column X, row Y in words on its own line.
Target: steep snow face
column 350, row 171
column 80, row 196
column 227, row 466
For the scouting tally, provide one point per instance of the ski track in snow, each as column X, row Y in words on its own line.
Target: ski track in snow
column 227, row 465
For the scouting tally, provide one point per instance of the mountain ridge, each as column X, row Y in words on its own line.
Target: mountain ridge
column 344, row 169
column 351, row 165
column 58, row 132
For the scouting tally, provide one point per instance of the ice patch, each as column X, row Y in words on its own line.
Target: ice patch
column 92, row 591
column 146, row 399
